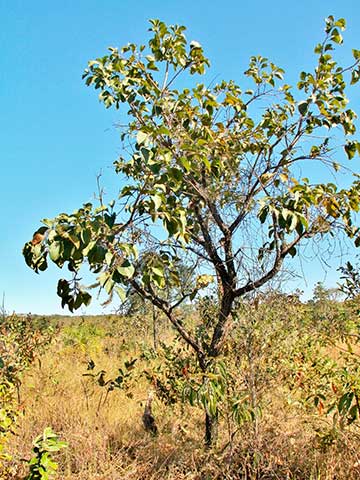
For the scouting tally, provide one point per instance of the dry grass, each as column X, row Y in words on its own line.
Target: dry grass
column 109, row 442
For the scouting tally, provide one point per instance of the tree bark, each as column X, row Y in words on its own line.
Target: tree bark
column 220, row 330
column 211, row 429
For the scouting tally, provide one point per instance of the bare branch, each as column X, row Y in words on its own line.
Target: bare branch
column 168, row 311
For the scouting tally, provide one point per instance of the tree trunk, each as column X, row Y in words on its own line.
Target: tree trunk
column 211, row 429
column 223, row 323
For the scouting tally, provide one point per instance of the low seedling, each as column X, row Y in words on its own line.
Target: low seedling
column 42, row 466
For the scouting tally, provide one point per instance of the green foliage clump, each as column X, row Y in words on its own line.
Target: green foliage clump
column 85, row 335
column 21, row 342
column 41, row 465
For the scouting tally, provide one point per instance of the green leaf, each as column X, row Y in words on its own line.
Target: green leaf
column 336, row 37
column 203, row 280
column 350, row 149
column 294, row 222
column 355, row 77
column 171, row 226
column 303, row 107
column 341, row 23
column 263, row 214
column 345, row 402
column 159, row 280
column 55, row 251
column 158, row 271
column 141, row 137
column 108, row 258
column 121, row 293
column 185, row 163
column 157, row 199
column 86, row 298
column 126, row 270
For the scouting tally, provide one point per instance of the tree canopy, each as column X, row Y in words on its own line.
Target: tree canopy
column 211, row 177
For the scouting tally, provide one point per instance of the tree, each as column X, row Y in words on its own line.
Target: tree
column 213, row 180
column 350, row 276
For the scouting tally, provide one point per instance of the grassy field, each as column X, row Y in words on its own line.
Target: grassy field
column 288, row 370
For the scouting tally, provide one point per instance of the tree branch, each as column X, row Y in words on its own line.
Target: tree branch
column 164, row 307
column 278, row 262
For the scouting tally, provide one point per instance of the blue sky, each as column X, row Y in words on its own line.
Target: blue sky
column 55, row 137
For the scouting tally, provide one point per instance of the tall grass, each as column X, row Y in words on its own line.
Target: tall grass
column 292, row 438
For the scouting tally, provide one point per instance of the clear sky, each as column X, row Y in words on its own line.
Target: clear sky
column 55, row 137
